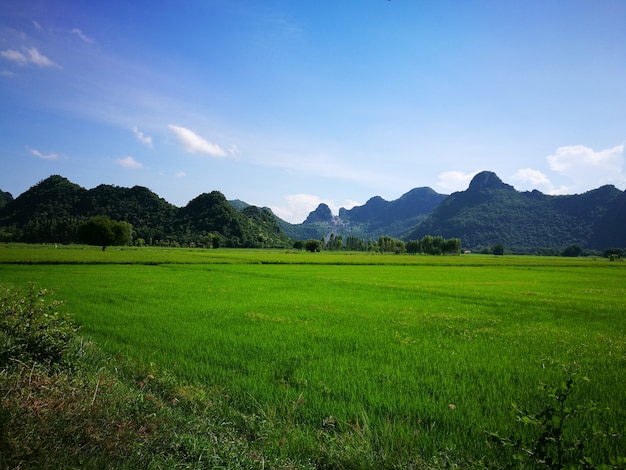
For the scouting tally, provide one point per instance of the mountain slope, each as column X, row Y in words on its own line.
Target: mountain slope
column 491, row 212
column 5, row 197
column 212, row 214
column 377, row 216
column 51, row 211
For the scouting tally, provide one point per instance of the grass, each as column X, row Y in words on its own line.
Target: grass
column 335, row 359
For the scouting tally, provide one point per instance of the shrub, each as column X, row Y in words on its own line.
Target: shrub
column 550, row 439
column 32, row 327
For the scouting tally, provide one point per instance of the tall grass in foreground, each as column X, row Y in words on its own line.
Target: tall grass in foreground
column 407, row 360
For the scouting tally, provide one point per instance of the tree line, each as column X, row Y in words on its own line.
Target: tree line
column 431, row 245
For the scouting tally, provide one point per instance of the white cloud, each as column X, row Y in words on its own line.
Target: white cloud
column 82, row 36
column 37, row 25
column 141, row 137
column 588, row 169
column 39, row 59
column 298, row 207
column 349, row 204
column 129, row 162
column 33, row 56
column 452, row 181
column 38, row 154
column 14, row 56
column 181, row 174
column 528, row 179
column 193, row 143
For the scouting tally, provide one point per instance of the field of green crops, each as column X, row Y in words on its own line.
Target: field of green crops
column 416, row 354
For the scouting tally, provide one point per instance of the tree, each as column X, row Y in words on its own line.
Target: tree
column 313, row 245
column 334, row 242
column 572, row 251
column 498, row 249
column 102, row 231
column 413, row 246
column 451, row 246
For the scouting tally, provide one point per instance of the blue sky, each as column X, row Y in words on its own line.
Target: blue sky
column 289, row 103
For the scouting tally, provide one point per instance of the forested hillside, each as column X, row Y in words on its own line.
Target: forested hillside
column 492, row 212
column 52, row 210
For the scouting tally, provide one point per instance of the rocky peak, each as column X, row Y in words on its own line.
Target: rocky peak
column 486, row 180
column 321, row 214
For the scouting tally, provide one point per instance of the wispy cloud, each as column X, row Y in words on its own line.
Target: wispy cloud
column 37, row 25
column 129, row 162
column 141, row 137
column 31, row 56
column 14, row 56
column 193, row 143
column 38, row 154
column 454, row 180
column 82, row 35
column 181, row 174
column 37, row 58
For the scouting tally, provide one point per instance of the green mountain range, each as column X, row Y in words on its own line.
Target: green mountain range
column 52, row 210
column 489, row 212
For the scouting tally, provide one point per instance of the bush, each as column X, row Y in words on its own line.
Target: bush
column 313, row 245
column 32, row 327
column 552, row 438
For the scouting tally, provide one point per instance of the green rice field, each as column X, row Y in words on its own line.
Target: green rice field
column 413, row 355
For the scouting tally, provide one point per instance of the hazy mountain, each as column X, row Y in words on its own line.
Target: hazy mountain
column 491, row 212
column 377, row 216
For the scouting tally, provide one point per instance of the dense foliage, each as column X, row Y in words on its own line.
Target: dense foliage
column 32, row 328
column 102, row 231
column 53, row 211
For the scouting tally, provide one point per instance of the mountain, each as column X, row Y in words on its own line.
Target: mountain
column 491, row 212
column 211, row 214
column 376, row 217
column 52, row 210
column 393, row 218
column 5, row 198
column 321, row 214
column 150, row 215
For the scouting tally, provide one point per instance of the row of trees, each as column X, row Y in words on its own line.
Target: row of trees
column 427, row 245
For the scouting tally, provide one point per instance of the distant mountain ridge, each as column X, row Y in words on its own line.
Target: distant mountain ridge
column 377, row 216
column 488, row 212
column 491, row 211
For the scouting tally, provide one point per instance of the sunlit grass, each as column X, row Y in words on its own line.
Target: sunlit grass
column 336, row 343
